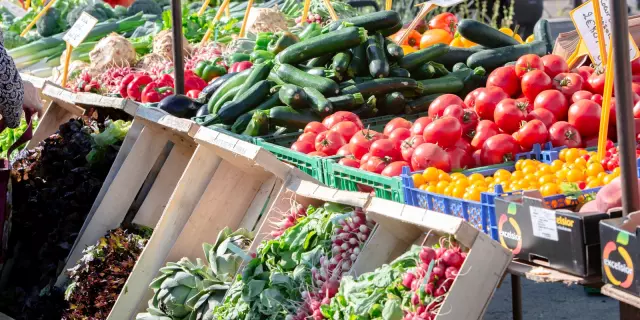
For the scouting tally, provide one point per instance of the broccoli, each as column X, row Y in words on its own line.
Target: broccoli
column 48, row 25
column 120, row 11
column 146, row 6
column 14, row 40
column 96, row 10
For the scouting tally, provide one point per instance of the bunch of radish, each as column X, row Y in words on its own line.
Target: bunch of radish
column 430, row 282
column 289, row 220
column 313, row 17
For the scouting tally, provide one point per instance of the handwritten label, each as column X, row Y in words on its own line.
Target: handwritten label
column 584, row 19
column 543, row 223
column 15, row 9
column 80, row 29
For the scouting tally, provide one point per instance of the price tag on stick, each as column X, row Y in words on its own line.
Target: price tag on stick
column 74, row 37
column 426, row 7
column 13, row 8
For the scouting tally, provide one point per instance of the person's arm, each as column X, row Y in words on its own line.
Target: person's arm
column 11, row 89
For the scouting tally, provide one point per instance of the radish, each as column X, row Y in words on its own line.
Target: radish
column 451, row 273
column 415, row 300
column 440, row 252
column 452, row 258
column 427, row 255
column 407, row 279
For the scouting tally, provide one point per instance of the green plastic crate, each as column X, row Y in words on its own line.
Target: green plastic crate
column 352, row 179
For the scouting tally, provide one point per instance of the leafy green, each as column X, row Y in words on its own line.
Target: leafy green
column 194, row 27
column 115, row 132
column 9, row 136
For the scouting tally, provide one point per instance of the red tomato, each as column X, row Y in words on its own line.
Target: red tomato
column 554, row 64
column 349, row 162
column 584, row 115
column 394, row 169
column 315, row 127
column 636, row 110
column 318, row 154
column 526, row 103
column 309, row 137
column 361, row 142
column 430, row 155
column 584, row 72
column 385, row 148
column 527, row 63
column 469, row 121
column 460, row 159
column 597, row 98
column 562, row 133
column 533, row 132
column 444, row 132
column 613, row 118
column 418, row 126
column 442, row 102
column 581, row 95
column 365, row 158
column 554, row 101
column 409, row 145
column 446, row 21
column 484, row 131
column 329, row 142
column 635, row 66
column 341, row 116
column 596, row 82
column 193, row 94
column 487, row 100
column 346, row 128
column 534, row 82
column 454, row 110
column 345, row 151
column 376, row 164
column 498, row 149
column 395, row 124
column 509, row 114
column 470, row 99
column 506, row 79
column 463, row 144
column 399, row 135
column 568, row 83
column 543, row 115
column 303, row 147
column 476, row 158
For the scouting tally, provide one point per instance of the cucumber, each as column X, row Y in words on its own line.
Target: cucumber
column 483, row 34
column 456, row 55
column 399, row 73
column 358, row 65
column 414, row 60
column 391, row 31
column 245, row 102
column 341, row 61
column 425, row 71
column 274, row 77
column 318, row 102
column 293, row 96
column 224, row 99
column 346, row 102
column 392, row 103
column 293, row 75
column 420, row 105
column 372, row 22
column 394, row 52
column 258, row 125
column 447, row 84
column 383, row 86
column 542, row 32
column 233, row 82
column 260, row 72
column 319, row 61
column 378, row 64
column 331, row 42
column 494, row 58
column 291, row 118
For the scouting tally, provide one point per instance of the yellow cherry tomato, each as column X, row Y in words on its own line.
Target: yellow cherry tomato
column 408, row 49
column 530, row 39
column 616, row 171
column 506, row 31
column 594, row 169
column 575, row 175
column 562, row 155
column 607, row 179
column 532, row 169
column 430, row 174
column 457, row 42
column 546, row 179
column 488, row 179
column 549, row 189
column 443, row 176
column 562, row 174
column 517, row 175
column 458, row 176
column 418, row 180
column 432, row 189
column 462, row 183
column 571, row 155
column 476, row 177
column 594, row 183
column 458, row 192
column 581, row 161
column 556, row 165
column 502, row 174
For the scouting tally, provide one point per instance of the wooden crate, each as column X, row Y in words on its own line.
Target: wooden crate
column 227, row 183
column 39, row 83
column 142, row 178
column 399, row 226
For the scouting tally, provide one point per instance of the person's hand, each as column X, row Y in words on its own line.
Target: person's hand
column 32, row 99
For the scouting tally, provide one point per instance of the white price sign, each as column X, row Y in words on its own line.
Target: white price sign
column 446, row 3
column 543, row 223
column 15, row 9
column 584, row 19
column 80, row 29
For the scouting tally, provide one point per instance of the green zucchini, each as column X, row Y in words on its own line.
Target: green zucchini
column 288, row 117
column 331, row 42
column 258, row 125
column 260, row 72
column 459, row 66
column 425, row 71
column 344, row 84
column 383, row 86
column 394, row 52
column 224, row 99
column 247, row 101
column 241, row 123
column 367, row 110
column 391, row 31
column 415, row 59
column 542, row 32
column 293, row 96
column 421, row 104
column 372, row 22
column 456, row 55
column 510, row 63
column 483, row 34
column 274, row 77
column 319, row 61
column 392, row 103
column 494, row 58
column 311, row 30
column 235, row 81
column 447, row 84
column 358, row 65
column 378, row 64
column 318, row 102
column 346, row 102
column 321, row 72
column 293, row 75
column 399, row 73
column 341, row 61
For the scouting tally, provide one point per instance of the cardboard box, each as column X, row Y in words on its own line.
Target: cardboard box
column 556, row 238
column 620, row 248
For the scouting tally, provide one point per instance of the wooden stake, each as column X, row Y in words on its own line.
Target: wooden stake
column 601, row 44
column 207, row 35
column 305, row 11
column 332, row 12
column 227, row 12
column 27, row 5
column 40, row 14
column 246, row 19
column 67, row 60
column 204, row 7
column 388, row 4
column 606, row 104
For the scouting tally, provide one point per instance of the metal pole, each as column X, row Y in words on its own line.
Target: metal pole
column 178, row 59
column 516, row 297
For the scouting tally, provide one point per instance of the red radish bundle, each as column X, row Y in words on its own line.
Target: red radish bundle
column 289, row 220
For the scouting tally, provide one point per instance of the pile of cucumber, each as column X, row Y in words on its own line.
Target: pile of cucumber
column 349, row 66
